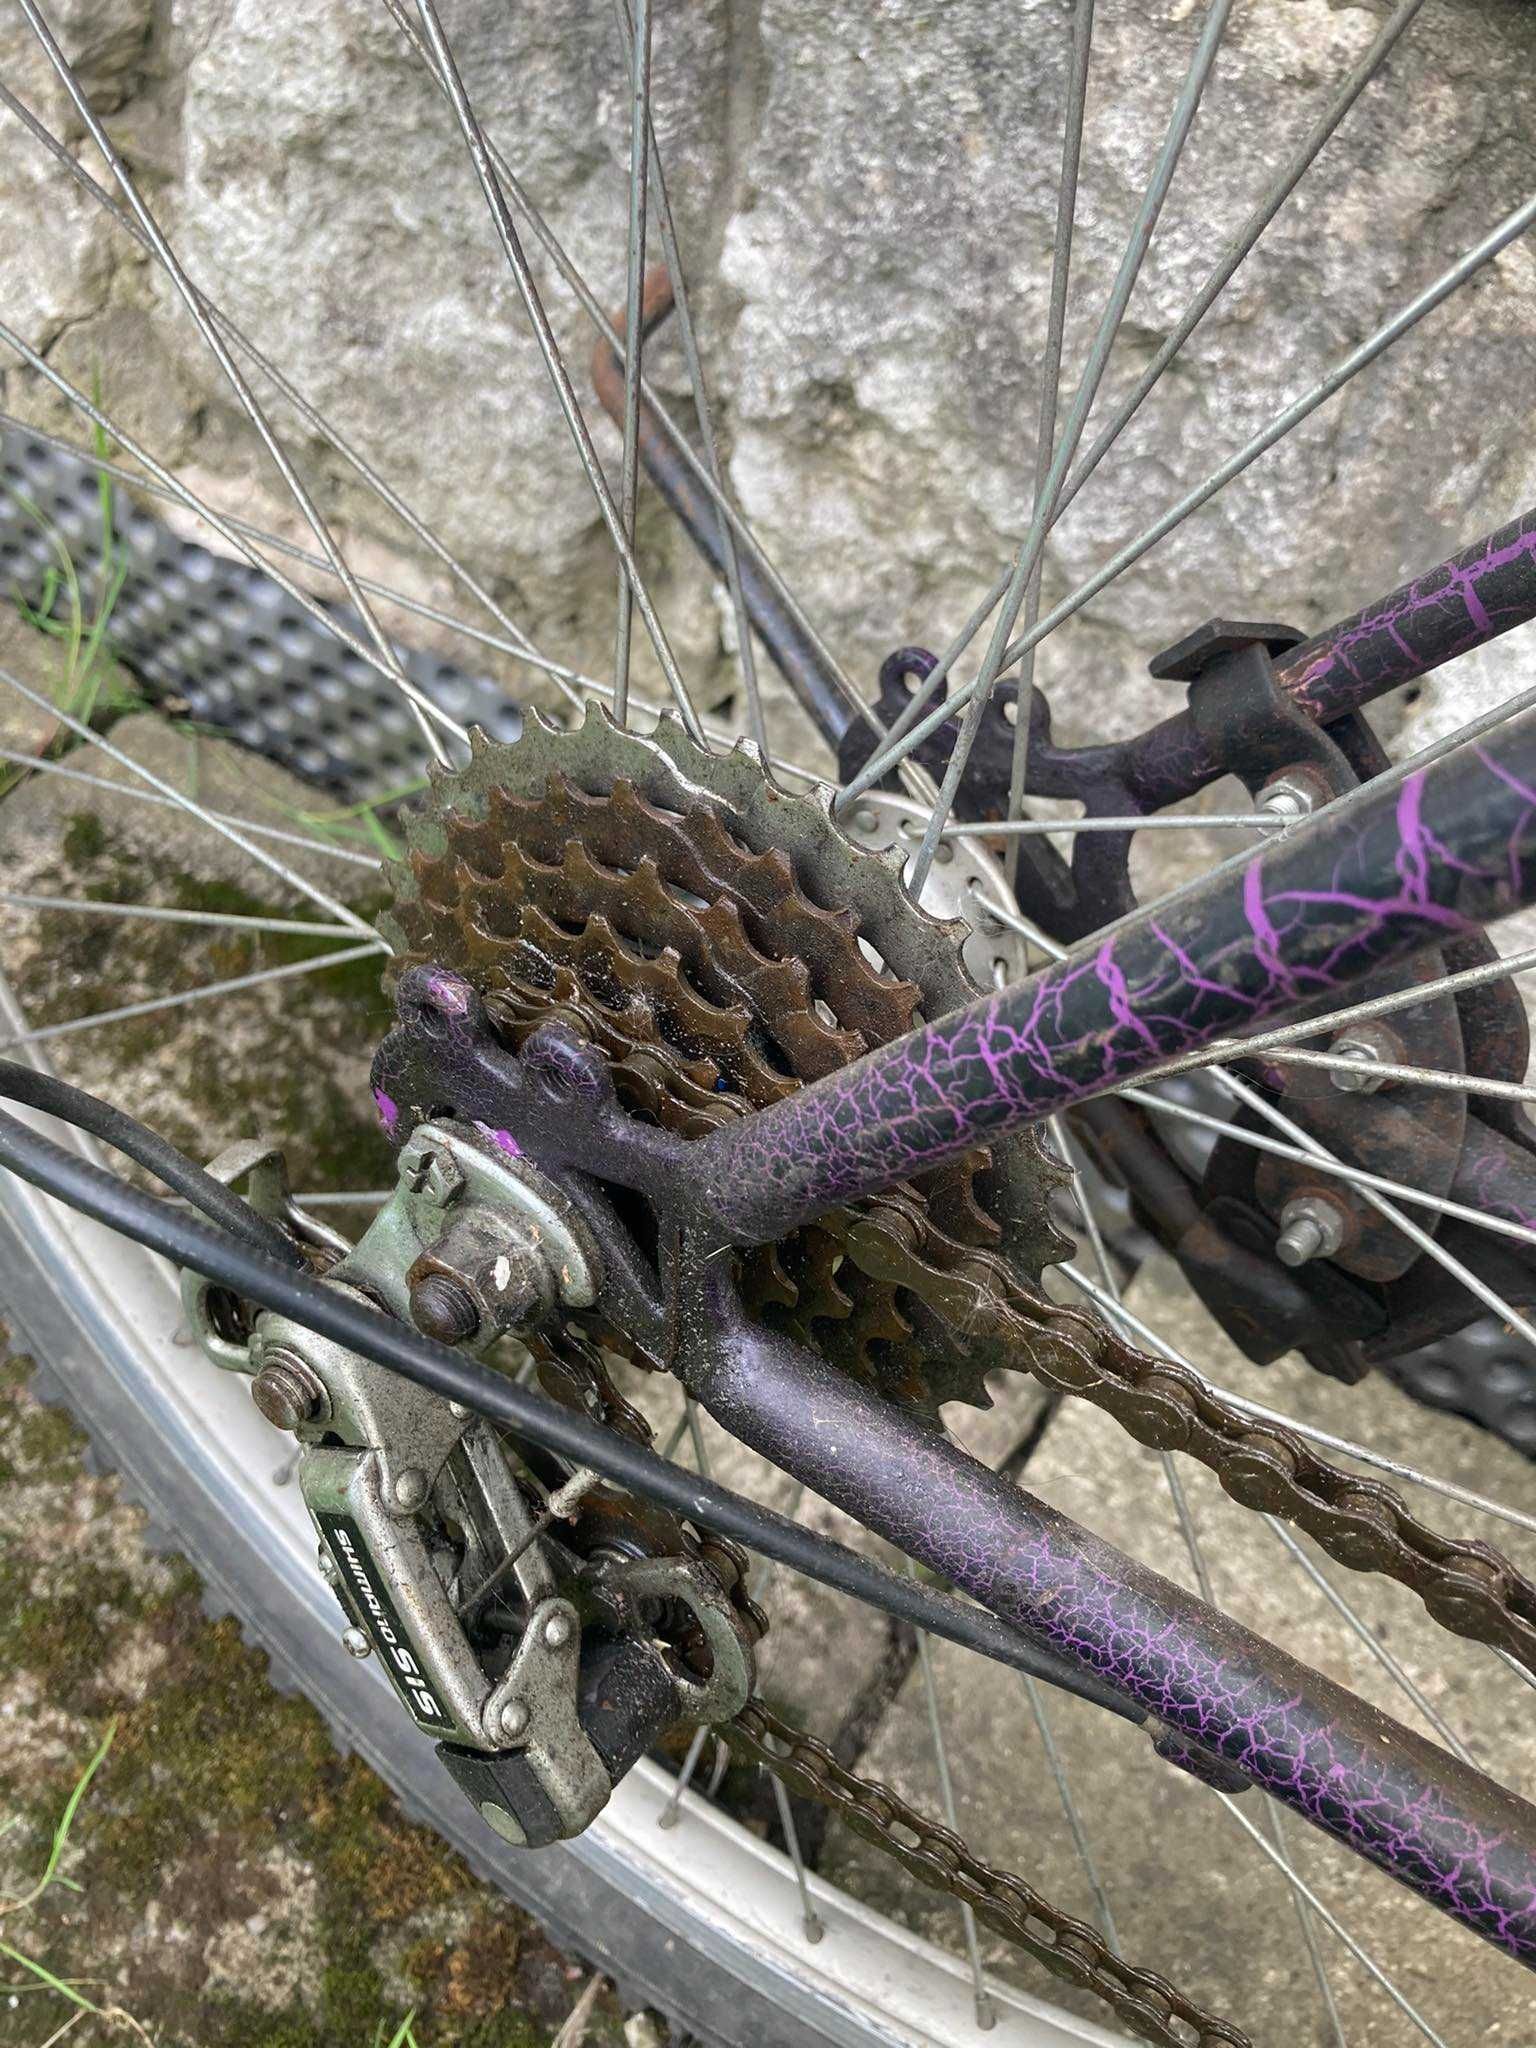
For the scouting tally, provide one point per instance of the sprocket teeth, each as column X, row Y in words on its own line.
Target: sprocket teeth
column 708, row 928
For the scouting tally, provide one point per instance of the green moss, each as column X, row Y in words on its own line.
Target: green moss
column 84, row 838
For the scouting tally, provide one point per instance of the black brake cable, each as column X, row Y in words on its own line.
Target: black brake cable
column 138, row 1142
column 231, row 1259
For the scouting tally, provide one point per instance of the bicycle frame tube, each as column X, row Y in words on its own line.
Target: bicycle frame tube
column 1449, row 848
column 1479, row 594
column 1485, row 591
column 1442, row 1829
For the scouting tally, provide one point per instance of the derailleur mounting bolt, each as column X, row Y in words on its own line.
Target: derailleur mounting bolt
column 1311, row 1227
column 444, row 1308
column 285, row 1390
column 356, row 1643
column 1370, row 1045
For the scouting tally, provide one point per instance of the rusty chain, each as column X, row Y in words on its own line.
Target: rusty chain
column 935, row 1856
column 713, row 983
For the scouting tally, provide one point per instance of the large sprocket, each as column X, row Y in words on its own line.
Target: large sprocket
column 723, row 941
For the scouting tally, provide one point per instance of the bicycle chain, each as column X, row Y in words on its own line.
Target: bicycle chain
column 533, row 896
column 1468, row 1587
column 937, row 1857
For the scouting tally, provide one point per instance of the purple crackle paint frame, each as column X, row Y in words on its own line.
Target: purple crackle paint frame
column 1485, row 591
column 1441, row 852
column 1444, row 851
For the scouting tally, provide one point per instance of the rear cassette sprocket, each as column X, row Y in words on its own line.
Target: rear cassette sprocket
column 722, row 942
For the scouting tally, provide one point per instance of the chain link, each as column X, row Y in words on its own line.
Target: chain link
column 936, row 1857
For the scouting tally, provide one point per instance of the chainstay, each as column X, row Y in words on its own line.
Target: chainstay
column 935, row 1856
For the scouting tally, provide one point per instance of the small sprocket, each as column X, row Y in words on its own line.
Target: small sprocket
column 722, row 941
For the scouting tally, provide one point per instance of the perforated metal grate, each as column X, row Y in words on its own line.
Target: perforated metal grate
column 224, row 644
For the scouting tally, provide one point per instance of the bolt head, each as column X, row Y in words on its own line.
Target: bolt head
column 557, row 1631
column 514, row 1719
column 411, row 1489
column 430, row 1171
column 356, row 1643
column 286, row 1391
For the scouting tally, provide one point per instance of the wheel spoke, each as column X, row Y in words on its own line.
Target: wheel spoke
column 391, row 671
column 187, row 292
column 36, row 766
column 215, row 823
column 1422, row 1077
column 1160, row 1105
column 1024, row 828
column 671, row 1812
column 1331, row 1922
column 1372, row 1642
column 1050, row 383
column 549, row 349
column 1243, row 242
column 37, row 1034
column 811, row 1922
column 986, row 2016
column 312, row 416
column 1227, row 265
column 1504, row 969
column 1028, row 561
column 634, row 337
column 1508, row 230
column 221, row 920
column 698, row 390
column 539, row 228
column 1191, row 1538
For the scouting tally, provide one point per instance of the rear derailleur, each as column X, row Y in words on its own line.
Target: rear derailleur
column 544, row 1629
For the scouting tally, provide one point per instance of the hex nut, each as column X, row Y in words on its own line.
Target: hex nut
column 1369, row 1044
column 1311, row 1227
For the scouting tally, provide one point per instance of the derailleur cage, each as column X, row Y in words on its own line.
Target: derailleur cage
column 543, row 1675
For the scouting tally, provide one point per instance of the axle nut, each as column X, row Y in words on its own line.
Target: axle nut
column 444, row 1308
column 286, row 1391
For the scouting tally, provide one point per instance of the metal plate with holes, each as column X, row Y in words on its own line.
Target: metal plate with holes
column 224, row 643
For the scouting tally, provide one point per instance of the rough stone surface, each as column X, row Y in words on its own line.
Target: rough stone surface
column 865, row 197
